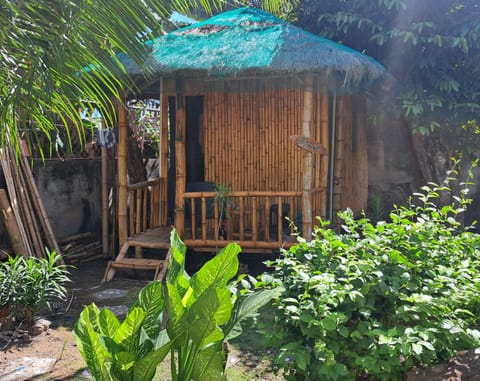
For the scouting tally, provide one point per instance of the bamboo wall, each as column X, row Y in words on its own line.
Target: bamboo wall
column 247, row 141
column 247, row 127
column 351, row 164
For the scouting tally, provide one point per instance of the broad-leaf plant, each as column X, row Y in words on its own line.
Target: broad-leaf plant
column 190, row 317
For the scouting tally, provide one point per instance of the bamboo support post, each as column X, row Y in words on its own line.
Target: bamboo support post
column 204, row 218
column 180, row 163
column 254, row 219
column 122, row 171
column 267, row 219
column 241, row 218
column 324, row 139
column 136, row 210
column 279, row 220
column 153, row 206
column 145, row 197
column 192, row 218
column 307, row 163
column 291, row 215
column 105, row 245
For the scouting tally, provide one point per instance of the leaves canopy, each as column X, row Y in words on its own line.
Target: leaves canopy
column 45, row 44
column 432, row 47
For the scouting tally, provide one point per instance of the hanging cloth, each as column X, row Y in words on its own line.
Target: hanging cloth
column 106, row 137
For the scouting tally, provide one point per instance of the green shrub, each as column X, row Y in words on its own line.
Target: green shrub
column 375, row 300
column 203, row 311
column 29, row 282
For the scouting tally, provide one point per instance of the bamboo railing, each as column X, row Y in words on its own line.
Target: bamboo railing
column 147, row 206
column 254, row 219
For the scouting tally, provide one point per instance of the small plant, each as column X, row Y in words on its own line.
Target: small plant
column 223, row 201
column 28, row 282
column 203, row 311
column 375, row 300
column 376, row 208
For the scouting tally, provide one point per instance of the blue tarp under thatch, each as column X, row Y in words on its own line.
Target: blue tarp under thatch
column 249, row 41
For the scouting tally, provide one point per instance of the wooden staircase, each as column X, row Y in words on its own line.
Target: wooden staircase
column 153, row 239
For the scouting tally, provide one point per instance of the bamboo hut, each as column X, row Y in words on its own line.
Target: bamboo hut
column 261, row 121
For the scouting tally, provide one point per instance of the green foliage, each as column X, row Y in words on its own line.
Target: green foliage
column 203, row 310
column 376, row 208
column 28, row 282
column 375, row 300
column 46, row 43
column 431, row 47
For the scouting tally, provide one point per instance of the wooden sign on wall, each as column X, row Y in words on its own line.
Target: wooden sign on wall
column 309, row 144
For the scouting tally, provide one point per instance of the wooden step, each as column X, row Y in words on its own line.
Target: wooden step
column 137, row 263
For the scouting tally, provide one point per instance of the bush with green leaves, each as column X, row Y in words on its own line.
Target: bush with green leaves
column 203, row 311
column 29, row 282
column 374, row 300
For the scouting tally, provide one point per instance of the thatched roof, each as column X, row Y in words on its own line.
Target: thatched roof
column 249, row 41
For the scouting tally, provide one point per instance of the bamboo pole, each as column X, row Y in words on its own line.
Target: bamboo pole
column 339, row 156
column 324, row 140
column 180, row 162
column 204, row 218
column 105, row 244
column 10, row 222
column 114, row 206
column 163, row 166
column 307, row 161
column 37, row 202
column 279, row 220
column 122, row 171
column 254, row 220
column 28, row 213
column 241, row 218
column 131, row 215
column 136, row 215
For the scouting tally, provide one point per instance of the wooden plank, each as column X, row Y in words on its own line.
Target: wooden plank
column 309, row 144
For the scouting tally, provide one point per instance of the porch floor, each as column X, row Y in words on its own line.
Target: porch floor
column 158, row 238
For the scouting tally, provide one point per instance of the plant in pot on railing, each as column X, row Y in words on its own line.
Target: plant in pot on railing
column 26, row 283
column 203, row 311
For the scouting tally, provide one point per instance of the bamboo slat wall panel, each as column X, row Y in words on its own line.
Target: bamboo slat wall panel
column 351, row 175
column 359, row 176
column 247, row 143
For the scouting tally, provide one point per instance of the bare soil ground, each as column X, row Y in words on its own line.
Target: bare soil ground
column 246, row 361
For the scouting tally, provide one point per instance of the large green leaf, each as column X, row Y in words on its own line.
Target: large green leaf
column 89, row 343
column 218, row 271
column 248, row 306
column 122, row 366
column 210, row 365
column 107, row 322
column 177, row 324
column 151, row 300
column 176, row 268
column 211, row 310
column 128, row 333
column 145, row 368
